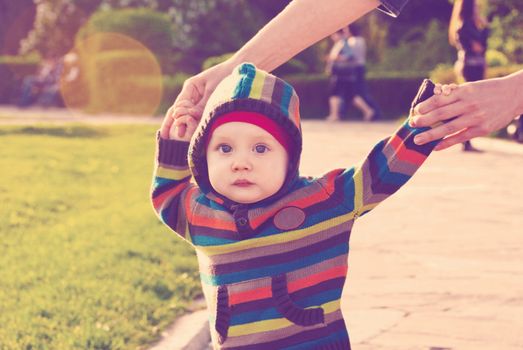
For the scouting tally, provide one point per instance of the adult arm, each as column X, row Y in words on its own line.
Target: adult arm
column 389, row 165
column 479, row 108
column 301, row 24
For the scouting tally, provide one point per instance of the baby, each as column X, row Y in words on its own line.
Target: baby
column 272, row 246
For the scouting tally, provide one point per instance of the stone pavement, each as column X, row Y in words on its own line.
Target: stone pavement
column 437, row 266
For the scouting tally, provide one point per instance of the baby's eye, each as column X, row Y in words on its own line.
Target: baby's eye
column 261, row 148
column 224, row 148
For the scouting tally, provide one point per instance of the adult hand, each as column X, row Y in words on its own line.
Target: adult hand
column 478, row 107
column 194, row 95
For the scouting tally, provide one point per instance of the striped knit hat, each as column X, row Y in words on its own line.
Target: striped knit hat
column 248, row 89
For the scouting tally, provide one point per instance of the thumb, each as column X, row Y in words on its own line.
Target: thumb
column 200, row 106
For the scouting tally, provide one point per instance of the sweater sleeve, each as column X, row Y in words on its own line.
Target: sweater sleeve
column 171, row 187
column 388, row 166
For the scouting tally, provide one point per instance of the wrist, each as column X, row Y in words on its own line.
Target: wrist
column 172, row 152
column 266, row 60
column 516, row 82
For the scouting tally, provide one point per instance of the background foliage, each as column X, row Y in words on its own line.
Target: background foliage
column 201, row 29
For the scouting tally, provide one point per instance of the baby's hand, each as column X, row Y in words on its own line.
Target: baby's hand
column 183, row 128
column 445, row 89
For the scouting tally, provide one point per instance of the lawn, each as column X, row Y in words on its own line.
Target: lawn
column 84, row 262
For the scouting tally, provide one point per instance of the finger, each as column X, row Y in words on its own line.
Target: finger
column 187, row 92
column 437, row 89
column 183, row 103
column 435, row 102
column 191, row 125
column 166, row 126
column 458, row 138
column 200, row 106
column 443, row 130
column 435, row 116
column 177, row 130
column 179, row 112
column 183, row 124
column 447, row 89
column 183, row 120
column 170, row 120
column 181, row 129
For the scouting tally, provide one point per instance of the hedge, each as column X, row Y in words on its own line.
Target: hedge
column 12, row 71
column 445, row 74
column 293, row 66
column 393, row 93
column 115, row 90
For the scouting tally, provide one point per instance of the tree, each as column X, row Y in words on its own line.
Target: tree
column 507, row 28
column 16, row 20
column 56, row 24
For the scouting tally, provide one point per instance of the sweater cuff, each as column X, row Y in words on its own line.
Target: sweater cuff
column 172, row 152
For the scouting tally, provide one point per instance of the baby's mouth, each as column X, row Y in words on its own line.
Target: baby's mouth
column 242, row 183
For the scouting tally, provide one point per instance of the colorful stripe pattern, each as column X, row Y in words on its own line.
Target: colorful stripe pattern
column 279, row 288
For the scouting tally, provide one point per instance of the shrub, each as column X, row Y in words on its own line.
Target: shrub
column 12, row 71
column 421, row 49
column 118, row 81
column 214, row 60
column 496, row 72
column 445, row 74
column 292, row 66
column 153, row 29
column 496, row 58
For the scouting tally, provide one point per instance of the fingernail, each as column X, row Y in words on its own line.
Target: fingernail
column 418, row 140
column 412, row 122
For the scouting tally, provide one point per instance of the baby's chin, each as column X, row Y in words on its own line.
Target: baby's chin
column 246, row 198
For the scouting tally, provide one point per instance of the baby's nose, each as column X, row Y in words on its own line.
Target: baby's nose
column 241, row 164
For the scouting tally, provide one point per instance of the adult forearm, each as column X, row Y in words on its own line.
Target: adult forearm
column 301, row 24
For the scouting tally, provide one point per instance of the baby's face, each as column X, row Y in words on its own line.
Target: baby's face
column 246, row 164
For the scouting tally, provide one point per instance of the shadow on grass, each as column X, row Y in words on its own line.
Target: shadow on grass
column 57, row 131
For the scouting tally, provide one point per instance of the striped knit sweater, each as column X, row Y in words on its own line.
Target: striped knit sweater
column 273, row 272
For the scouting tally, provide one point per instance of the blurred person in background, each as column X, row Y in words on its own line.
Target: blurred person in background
column 343, row 63
column 35, row 87
column 358, row 47
column 341, row 68
column 468, row 33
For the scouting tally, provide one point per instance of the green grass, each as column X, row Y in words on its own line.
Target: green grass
column 84, row 262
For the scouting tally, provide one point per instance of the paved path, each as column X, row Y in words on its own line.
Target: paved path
column 440, row 264
column 10, row 115
column 437, row 266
